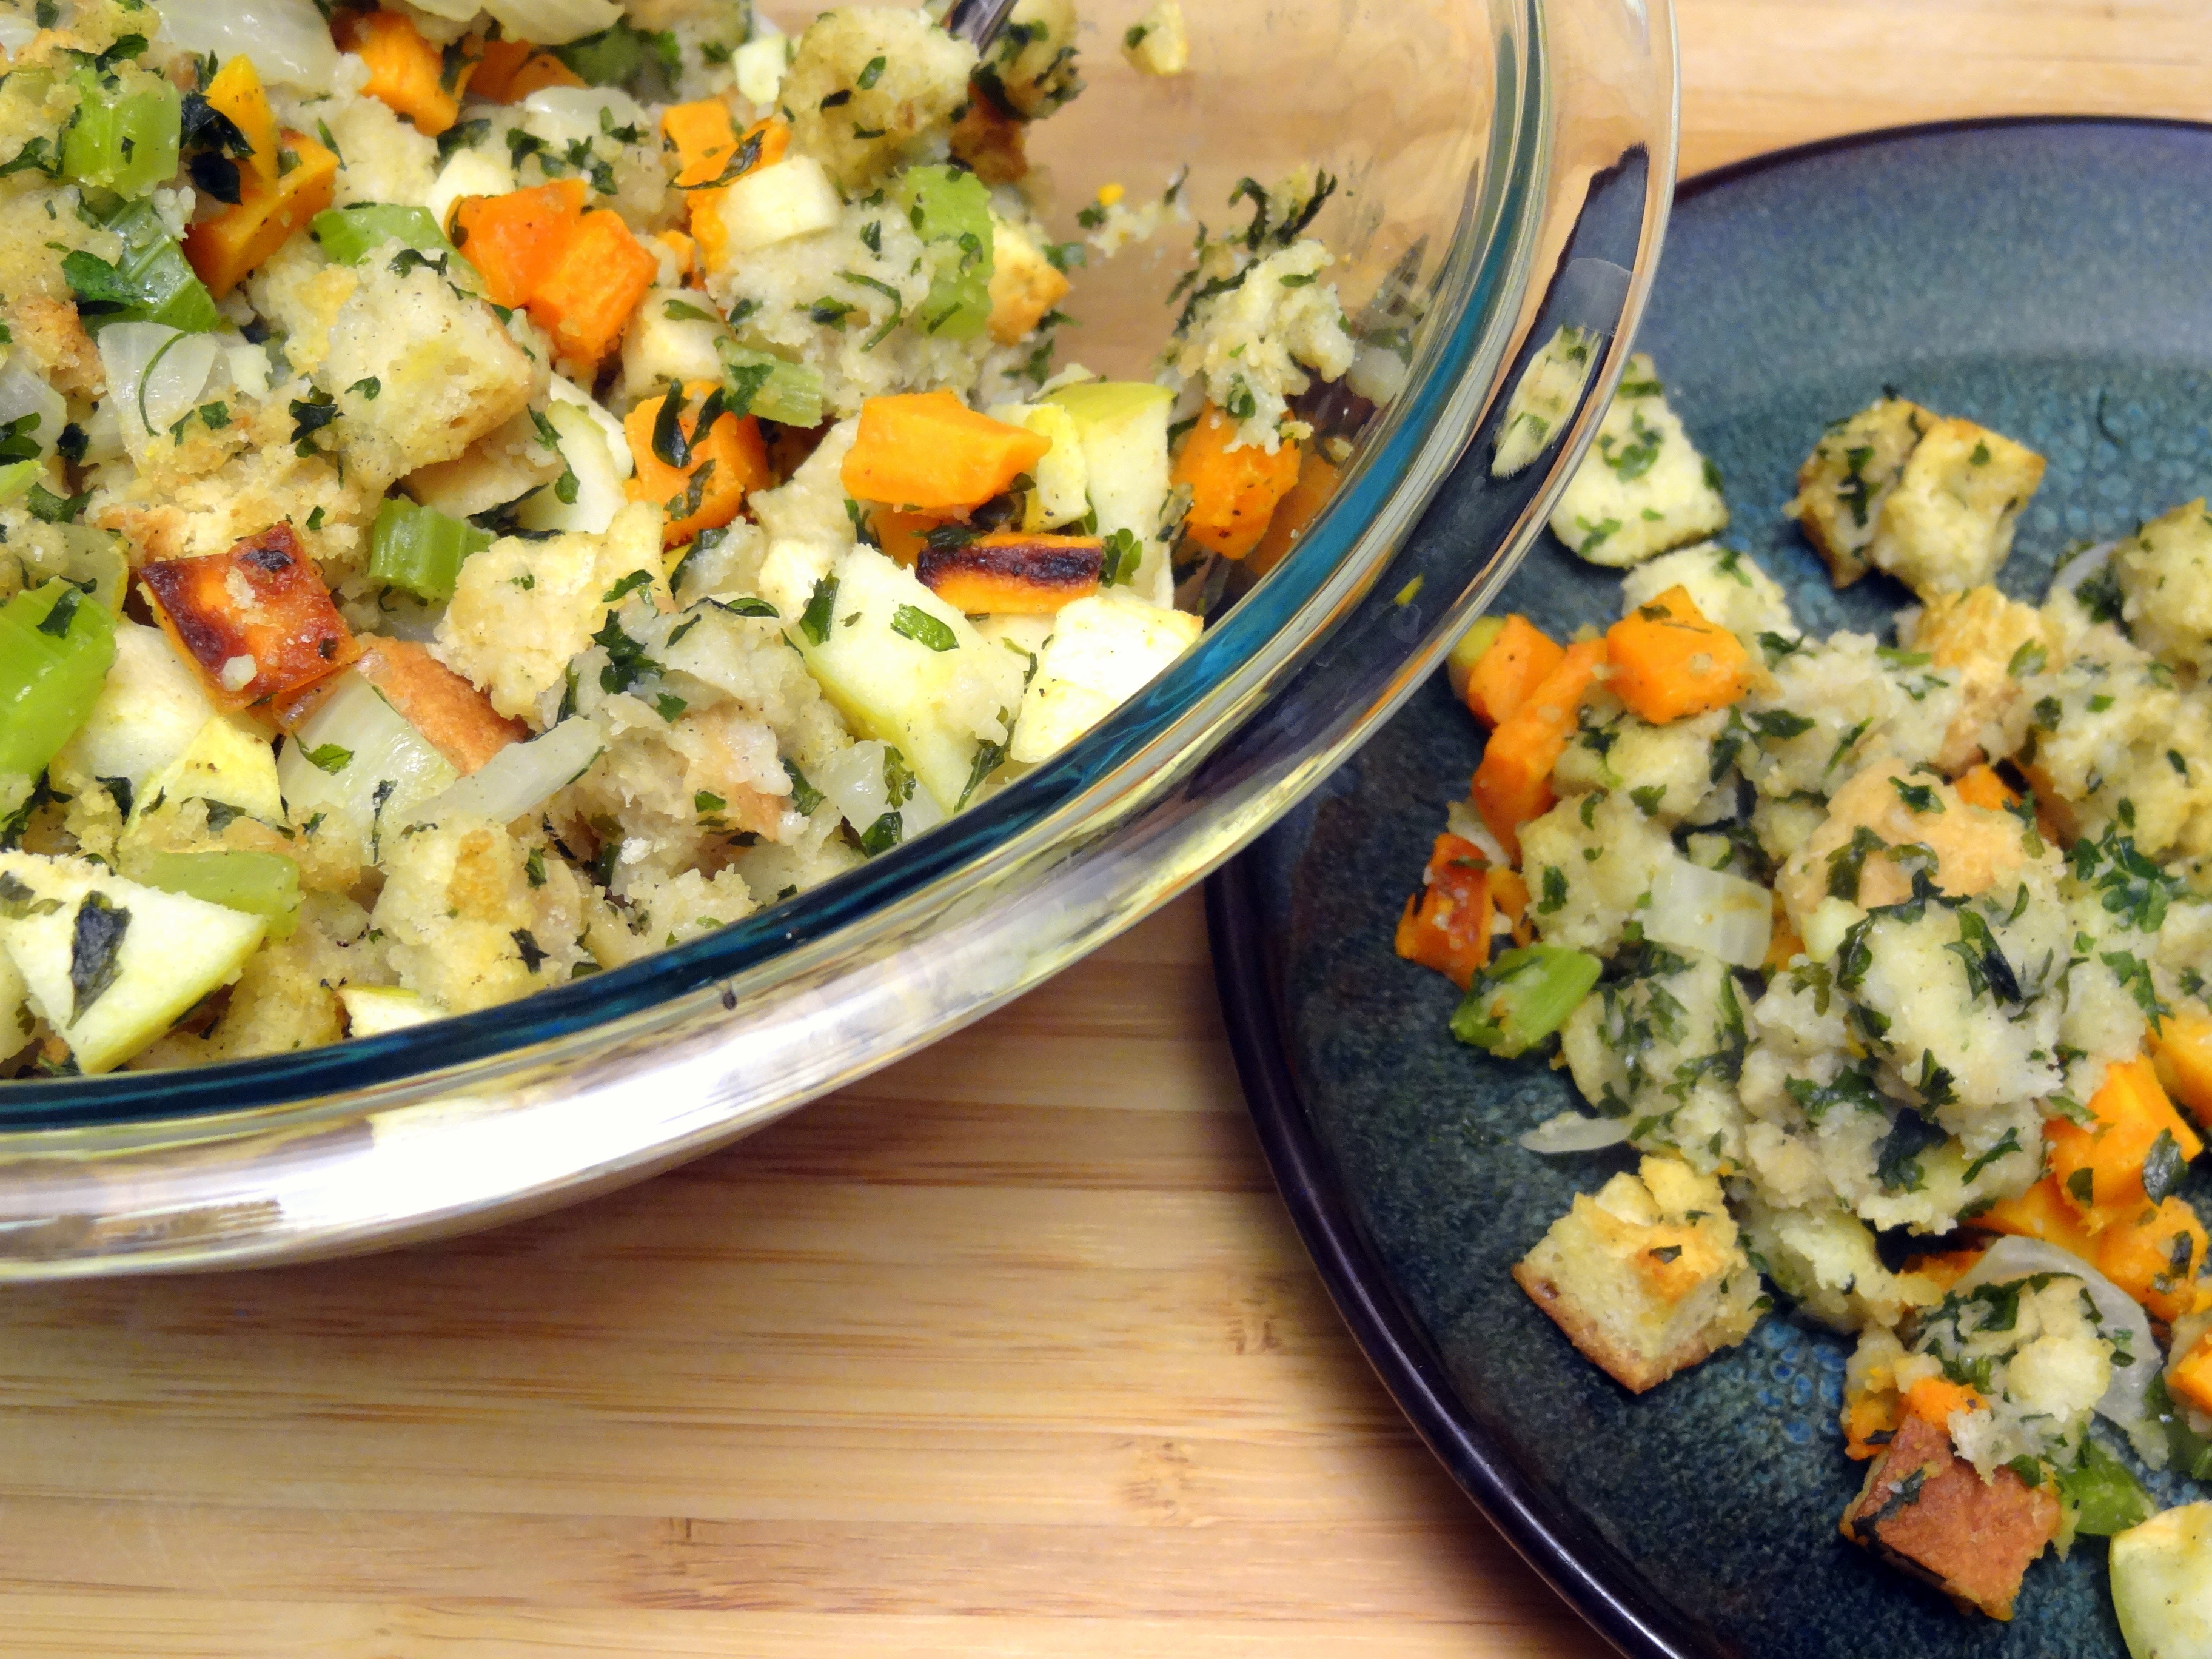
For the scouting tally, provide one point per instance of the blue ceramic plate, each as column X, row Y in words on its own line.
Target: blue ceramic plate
column 2047, row 278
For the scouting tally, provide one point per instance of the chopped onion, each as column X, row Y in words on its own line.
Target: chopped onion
column 23, row 391
column 2082, row 566
column 554, row 22
column 1693, row 909
column 523, row 776
column 288, row 41
column 363, row 744
column 15, row 34
column 1570, row 1132
column 453, row 11
column 565, row 114
column 853, row 781
column 2127, row 1401
column 155, row 377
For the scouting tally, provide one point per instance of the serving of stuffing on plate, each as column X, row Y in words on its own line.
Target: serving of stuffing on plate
column 487, row 492
column 1887, row 958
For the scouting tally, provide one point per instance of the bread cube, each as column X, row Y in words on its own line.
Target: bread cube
column 1647, row 1278
column 1932, row 500
column 2165, row 571
column 1948, row 525
column 1927, row 1511
column 1644, row 488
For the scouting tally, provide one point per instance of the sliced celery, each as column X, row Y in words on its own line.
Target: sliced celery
column 127, row 143
column 18, row 477
column 951, row 211
column 764, row 384
column 419, row 550
column 1522, row 998
column 2104, row 1494
column 257, row 884
column 152, row 282
column 55, row 648
column 350, row 234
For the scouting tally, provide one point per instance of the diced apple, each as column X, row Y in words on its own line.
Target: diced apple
column 760, row 63
column 793, row 198
column 1124, row 427
column 1102, row 652
column 600, row 493
column 147, row 713
column 227, row 762
column 876, row 663
column 373, row 1010
column 471, row 172
column 673, row 337
column 1063, row 480
column 108, row 963
column 2162, row 1584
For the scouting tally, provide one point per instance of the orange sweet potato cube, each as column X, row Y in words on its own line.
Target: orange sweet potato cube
column 256, row 621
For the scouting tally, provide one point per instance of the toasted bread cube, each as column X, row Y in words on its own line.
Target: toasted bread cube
column 1992, row 645
column 1643, row 487
column 257, row 622
column 1024, row 284
column 1926, row 1510
column 2166, row 571
column 1012, row 574
column 1948, row 524
column 1846, row 481
column 1646, row 1278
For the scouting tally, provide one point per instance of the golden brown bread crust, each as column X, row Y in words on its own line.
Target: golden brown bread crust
column 1636, row 1372
column 1925, row 1510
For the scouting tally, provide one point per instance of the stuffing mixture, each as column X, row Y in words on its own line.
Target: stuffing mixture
column 490, row 491
column 1887, row 956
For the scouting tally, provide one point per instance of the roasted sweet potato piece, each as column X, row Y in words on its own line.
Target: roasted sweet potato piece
column 458, row 719
column 1925, row 1510
column 256, row 621
column 1008, row 574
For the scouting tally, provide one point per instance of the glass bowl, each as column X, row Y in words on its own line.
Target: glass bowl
column 1506, row 167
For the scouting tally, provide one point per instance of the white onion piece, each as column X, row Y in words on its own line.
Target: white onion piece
column 103, row 436
column 565, row 115
column 288, row 41
column 381, row 747
column 1693, row 909
column 2127, row 1401
column 523, row 776
column 1570, row 1132
column 453, row 11
column 155, row 377
column 553, row 22
column 16, row 32
column 23, row 391
column 854, row 782
column 2082, row 566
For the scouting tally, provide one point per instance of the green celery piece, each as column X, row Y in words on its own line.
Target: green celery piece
column 1522, row 998
column 151, row 282
column 18, row 477
column 48, row 680
column 350, row 234
column 419, row 550
column 773, row 388
column 257, row 884
column 2104, row 1493
column 127, row 143
column 951, row 211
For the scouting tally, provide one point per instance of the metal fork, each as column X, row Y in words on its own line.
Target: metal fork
column 978, row 21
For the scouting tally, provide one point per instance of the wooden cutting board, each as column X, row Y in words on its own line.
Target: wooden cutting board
column 1009, row 1352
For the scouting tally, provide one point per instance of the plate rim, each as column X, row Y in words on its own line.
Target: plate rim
column 1560, row 1542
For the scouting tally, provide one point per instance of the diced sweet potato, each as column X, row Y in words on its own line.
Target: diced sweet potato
column 2100, row 1169
column 1447, row 925
column 1924, row 1510
column 256, row 621
column 238, row 240
column 1010, row 574
column 458, row 719
column 723, row 467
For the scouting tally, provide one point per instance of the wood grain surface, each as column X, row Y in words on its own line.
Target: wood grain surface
column 1009, row 1352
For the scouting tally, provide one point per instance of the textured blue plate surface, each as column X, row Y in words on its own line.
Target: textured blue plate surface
column 2046, row 279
